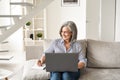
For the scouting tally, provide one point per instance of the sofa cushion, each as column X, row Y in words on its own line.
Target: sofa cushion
column 100, row 74
column 30, row 73
column 103, row 54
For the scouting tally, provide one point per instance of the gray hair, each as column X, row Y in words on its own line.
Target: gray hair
column 73, row 28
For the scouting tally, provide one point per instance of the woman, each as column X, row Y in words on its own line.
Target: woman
column 66, row 44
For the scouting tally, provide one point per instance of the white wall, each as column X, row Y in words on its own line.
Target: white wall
column 53, row 19
column 117, row 35
column 57, row 15
column 16, row 41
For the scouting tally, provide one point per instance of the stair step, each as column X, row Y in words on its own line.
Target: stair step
column 2, row 30
column 5, row 26
column 10, row 16
column 6, row 56
column 4, row 42
column 4, row 51
column 21, row 3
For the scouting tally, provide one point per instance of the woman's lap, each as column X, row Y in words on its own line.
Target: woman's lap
column 65, row 75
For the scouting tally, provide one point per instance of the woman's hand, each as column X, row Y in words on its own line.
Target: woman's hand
column 41, row 61
column 81, row 65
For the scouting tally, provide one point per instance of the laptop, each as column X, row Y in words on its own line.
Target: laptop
column 61, row 62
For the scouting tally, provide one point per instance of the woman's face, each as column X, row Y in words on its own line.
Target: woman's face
column 66, row 33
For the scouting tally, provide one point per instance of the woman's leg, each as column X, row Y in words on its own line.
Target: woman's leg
column 75, row 75
column 55, row 76
column 66, row 76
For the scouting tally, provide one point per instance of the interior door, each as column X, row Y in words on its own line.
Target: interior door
column 92, row 17
column 108, row 20
column 100, row 16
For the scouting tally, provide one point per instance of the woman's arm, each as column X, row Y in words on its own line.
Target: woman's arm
column 82, row 57
column 41, row 61
column 49, row 49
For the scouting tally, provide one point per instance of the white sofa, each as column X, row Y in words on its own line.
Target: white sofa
column 103, row 62
column 37, row 74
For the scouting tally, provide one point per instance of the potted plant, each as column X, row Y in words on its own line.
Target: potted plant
column 27, row 25
column 39, row 35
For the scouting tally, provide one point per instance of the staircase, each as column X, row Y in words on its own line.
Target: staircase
column 19, row 20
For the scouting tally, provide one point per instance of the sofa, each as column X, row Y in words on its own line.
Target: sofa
column 103, row 62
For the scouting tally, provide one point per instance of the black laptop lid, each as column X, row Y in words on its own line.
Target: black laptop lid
column 61, row 62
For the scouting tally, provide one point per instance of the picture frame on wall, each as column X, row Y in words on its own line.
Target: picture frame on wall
column 70, row 2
